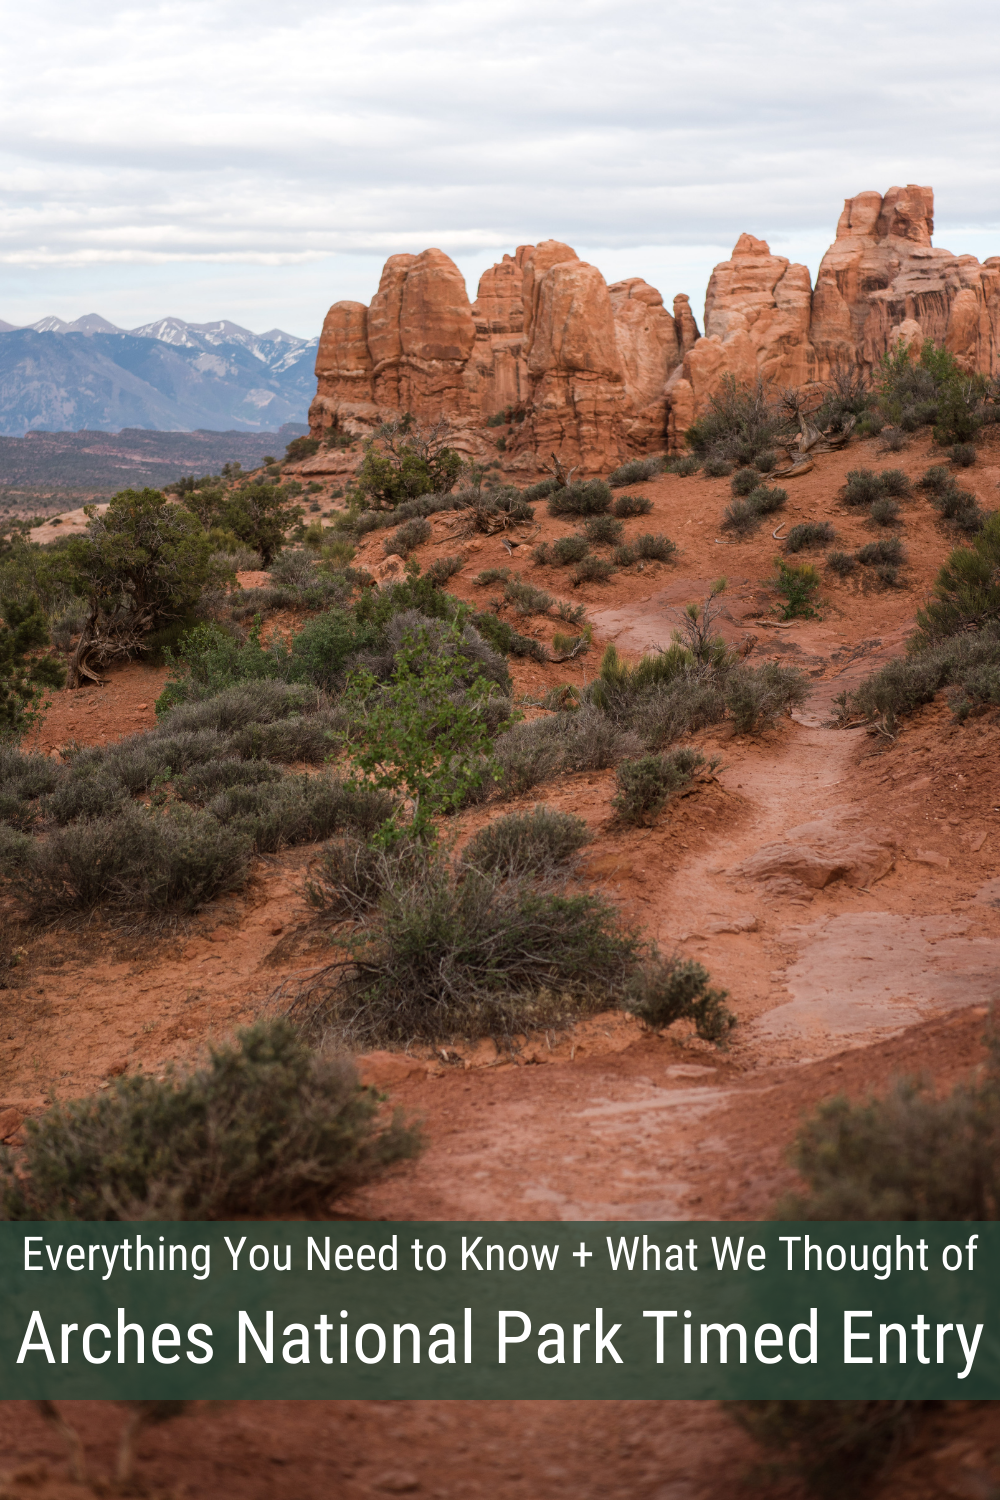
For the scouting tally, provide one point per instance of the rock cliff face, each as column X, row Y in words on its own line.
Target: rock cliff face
column 880, row 282
column 595, row 373
column 581, row 365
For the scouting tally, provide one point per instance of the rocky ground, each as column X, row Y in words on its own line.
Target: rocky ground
column 838, row 983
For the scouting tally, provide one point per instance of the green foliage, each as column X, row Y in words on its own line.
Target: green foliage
column 526, row 599
column 619, row 683
column 624, row 556
column 887, row 550
column 24, row 676
column 963, row 455
column 631, row 505
column 935, row 389
column 635, row 472
column 755, row 697
column 504, row 638
column 402, row 463
column 684, row 467
column 809, row 534
column 603, row 530
column 526, row 843
column 717, row 468
column 967, row 662
column 300, row 448
column 884, row 512
column 744, row 481
column 966, row 592
column 590, row 497
column 276, row 814
column 678, row 989
column 267, row 1127
column 645, row 786
column 798, row 584
column 425, row 735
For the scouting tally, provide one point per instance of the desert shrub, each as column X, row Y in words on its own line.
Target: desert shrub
column 258, row 515
column 201, row 783
column 741, row 422
column 591, row 497
column 592, row 570
column 755, row 697
column 505, row 639
column 809, row 534
column 963, row 455
column 255, row 701
column 936, row 480
column 620, row 684
column 293, row 569
column 797, row 583
column 894, row 440
column 541, row 490
column 679, row 989
column 766, row 500
column 686, row 705
column 324, row 646
column 887, row 550
column 893, row 482
column 841, row 563
column 884, row 512
column 766, row 461
column 863, row 487
column 483, row 956
column 635, row 471
column 352, row 874
column 631, row 505
column 624, row 556
column 443, row 568
column 717, row 468
column 301, row 448
column 526, row 843
column 684, row 467
column 740, row 517
column 968, row 663
column 960, row 507
column 564, row 550
column 645, row 786
column 935, row 389
column 83, row 796
column 24, row 676
column 491, row 575
column 850, row 395
column 15, row 852
column 966, row 592
column 526, row 599
column 134, row 860
column 584, row 739
column 603, row 530
column 402, row 463
column 24, row 779
column 266, row 1127
column 300, row 810
column 653, row 547
column 208, row 658
column 743, row 481
column 289, row 740
column 834, row 1447
column 411, row 534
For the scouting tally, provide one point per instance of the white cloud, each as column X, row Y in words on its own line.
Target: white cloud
column 232, row 156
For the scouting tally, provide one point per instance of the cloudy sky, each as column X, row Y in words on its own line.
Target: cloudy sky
column 257, row 161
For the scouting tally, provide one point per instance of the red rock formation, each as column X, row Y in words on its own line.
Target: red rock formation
column 880, row 284
column 585, row 369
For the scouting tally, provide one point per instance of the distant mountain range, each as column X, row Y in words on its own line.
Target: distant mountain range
column 167, row 376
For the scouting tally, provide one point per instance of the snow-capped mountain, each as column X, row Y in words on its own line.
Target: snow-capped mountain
column 168, row 375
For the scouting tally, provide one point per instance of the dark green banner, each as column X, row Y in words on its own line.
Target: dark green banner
column 514, row 1311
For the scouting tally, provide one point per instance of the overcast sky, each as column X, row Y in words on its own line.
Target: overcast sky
column 257, row 161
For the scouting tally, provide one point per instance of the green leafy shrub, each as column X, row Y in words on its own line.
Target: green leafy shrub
column 411, row 534
column 635, row 471
column 301, row 448
column 24, row 676
column 591, row 497
column 653, row 547
column 258, row 515
column 504, row 638
column 402, row 463
column 592, row 570
column 744, row 481
column 631, row 505
column 966, row 592
column 809, row 534
column 841, row 563
column 603, row 530
column 679, row 989
column 266, row 1127
column 645, row 786
column 798, row 584
column 526, row 843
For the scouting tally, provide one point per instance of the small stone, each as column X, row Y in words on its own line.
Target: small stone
column 929, row 857
column 10, row 1120
column 397, row 1483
